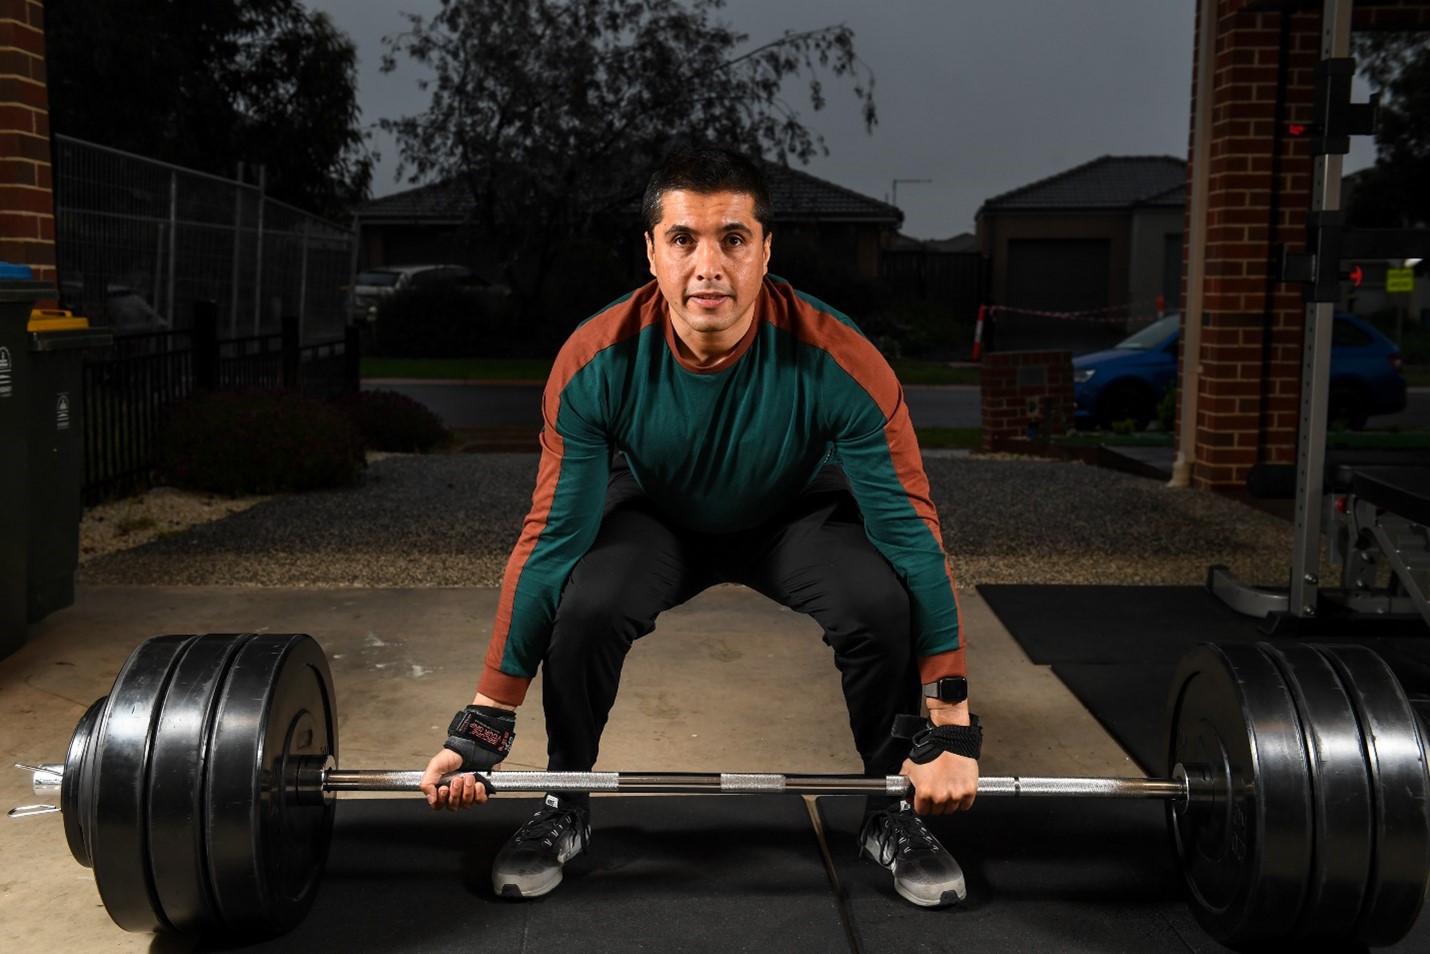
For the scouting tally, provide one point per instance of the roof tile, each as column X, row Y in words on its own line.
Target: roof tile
column 795, row 195
column 1108, row 182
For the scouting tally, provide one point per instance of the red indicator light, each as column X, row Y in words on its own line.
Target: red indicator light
column 1297, row 129
column 1356, row 276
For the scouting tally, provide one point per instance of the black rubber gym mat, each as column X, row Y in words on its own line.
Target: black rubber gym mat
column 1065, row 875
column 664, row 873
column 1114, row 624
column 1116, row 647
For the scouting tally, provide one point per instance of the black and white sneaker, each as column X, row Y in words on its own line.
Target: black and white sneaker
column 924, row 872
column 529, row 864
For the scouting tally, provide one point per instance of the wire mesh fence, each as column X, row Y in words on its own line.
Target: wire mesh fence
column 138, row 242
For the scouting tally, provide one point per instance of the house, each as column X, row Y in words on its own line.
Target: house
column 426, row 224
column 1102, row 241
column 946, row 272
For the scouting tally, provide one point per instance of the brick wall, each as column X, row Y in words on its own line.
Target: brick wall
column 1260, row 180
column 27, row 213
column 1026, row 394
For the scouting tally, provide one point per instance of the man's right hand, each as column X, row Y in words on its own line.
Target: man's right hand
column 478, row 740
column 461, row 792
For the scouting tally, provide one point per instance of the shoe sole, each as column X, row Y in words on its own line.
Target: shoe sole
column 951, row 897
column 517, row 892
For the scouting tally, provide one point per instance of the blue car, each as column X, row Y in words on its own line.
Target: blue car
column 1129, row 381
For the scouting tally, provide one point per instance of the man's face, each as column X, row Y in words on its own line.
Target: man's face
column 709, row 256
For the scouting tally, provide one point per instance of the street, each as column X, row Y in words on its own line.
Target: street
column 477, row 404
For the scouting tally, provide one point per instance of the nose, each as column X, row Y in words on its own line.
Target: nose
column 707, row 262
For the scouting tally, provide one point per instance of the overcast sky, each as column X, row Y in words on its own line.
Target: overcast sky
column 979, row 96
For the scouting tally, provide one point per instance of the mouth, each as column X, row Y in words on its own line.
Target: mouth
column 708, row 297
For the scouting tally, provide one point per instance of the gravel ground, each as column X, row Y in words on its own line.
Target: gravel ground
column 450, row 520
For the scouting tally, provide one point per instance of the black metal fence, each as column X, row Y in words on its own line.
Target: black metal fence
column 127, row 388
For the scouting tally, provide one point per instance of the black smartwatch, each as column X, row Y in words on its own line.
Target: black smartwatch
column 947, row 689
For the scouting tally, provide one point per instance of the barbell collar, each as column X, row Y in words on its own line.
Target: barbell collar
column 46, row 778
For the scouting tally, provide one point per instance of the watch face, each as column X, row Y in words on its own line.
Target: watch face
column 950, row 689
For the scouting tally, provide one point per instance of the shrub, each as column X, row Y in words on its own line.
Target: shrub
column 257, row 442
column 389, row 421
column 1167, row 411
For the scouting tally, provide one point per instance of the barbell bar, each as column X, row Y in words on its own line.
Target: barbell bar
column 314, row 783
column 201, row 790
column 755, row 783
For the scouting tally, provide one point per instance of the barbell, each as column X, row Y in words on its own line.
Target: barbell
column 202, row 789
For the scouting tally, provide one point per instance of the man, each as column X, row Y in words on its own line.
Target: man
column 717, row 426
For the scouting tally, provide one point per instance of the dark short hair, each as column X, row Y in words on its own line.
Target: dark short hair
column 703, row 169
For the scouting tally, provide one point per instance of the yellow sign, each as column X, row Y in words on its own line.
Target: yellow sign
column 1399, row 279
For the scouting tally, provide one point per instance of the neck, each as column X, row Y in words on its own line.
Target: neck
column 709, row 351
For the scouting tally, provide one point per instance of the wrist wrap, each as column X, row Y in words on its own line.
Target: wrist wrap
column 930, row 741
column 482, row 736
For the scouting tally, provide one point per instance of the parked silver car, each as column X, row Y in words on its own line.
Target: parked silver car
column 374, row 284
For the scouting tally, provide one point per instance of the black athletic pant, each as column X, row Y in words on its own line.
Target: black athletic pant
column 814, row 557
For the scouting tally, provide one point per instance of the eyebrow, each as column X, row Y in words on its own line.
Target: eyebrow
column 725, row 229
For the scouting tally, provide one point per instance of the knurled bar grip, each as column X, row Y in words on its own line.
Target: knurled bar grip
column 377, row 780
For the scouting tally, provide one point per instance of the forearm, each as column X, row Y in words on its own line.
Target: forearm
column 483, row 700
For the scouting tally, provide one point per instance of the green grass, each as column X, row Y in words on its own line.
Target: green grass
column 949, row 438
column 913, row 371
column 1418, row 376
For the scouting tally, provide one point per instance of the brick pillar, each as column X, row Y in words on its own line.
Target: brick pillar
column 1026, row 395
column 1249, row 388
column 27, row 208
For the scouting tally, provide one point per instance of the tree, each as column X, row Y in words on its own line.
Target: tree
column 1395, row 192
column 554, row 111
column 208, row 85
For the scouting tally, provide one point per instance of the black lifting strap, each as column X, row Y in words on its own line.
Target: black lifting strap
column 930, row 741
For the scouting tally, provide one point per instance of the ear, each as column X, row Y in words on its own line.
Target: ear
column 650, row 252
column 768, row 239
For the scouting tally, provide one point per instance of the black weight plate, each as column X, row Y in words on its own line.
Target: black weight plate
column 178, row 756
column 1246, row 853
column 74, row 793
column 117, row 774
column 266, row 850
column 1401, row 793
column 1341, row 807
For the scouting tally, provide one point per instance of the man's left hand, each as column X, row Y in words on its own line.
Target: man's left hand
column 950, row 782
column 945, row 785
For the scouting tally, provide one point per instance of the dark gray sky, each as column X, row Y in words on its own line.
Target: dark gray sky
column 979, row 96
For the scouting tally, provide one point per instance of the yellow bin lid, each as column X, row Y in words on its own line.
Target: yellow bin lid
column 54, row 319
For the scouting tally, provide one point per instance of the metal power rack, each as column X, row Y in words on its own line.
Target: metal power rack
column 1375, row 516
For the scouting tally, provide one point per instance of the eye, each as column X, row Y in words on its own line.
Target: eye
column 734, row 239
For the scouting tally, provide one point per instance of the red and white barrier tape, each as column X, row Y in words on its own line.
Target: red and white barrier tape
column 1095, row 314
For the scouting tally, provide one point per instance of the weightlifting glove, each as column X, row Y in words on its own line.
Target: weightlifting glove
column 482, row 736
column 930, row 741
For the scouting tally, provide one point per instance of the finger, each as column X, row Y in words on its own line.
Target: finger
column 453, row 799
